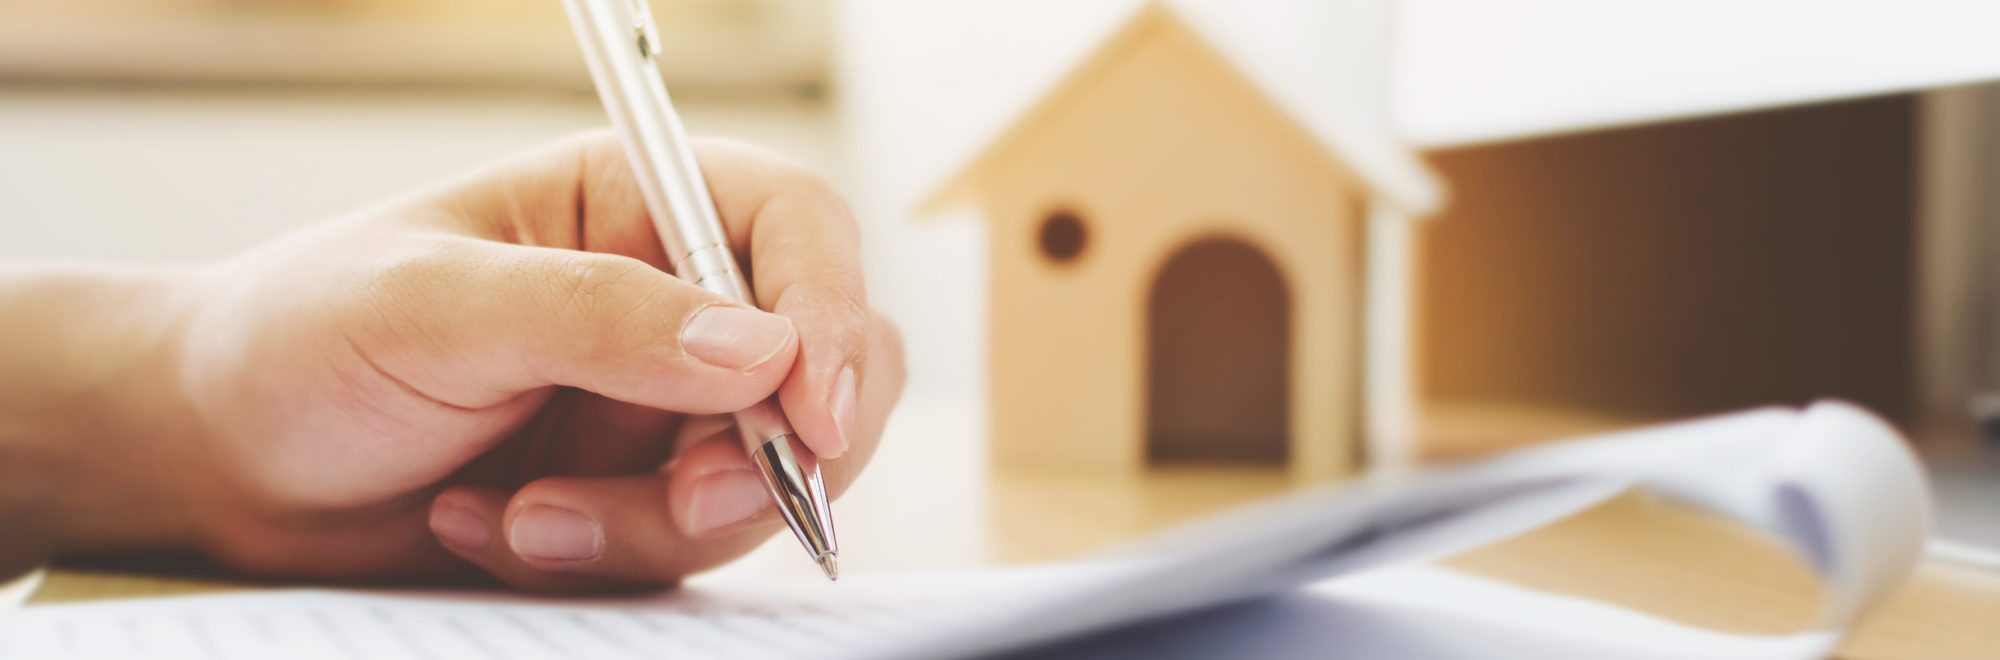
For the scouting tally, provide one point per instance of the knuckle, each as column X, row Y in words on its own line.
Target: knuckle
column 596, row 142
column 843, row 308
column 590, row 285
column 826, row 199
column 606, row 292
column 789, row 178
column 539, row 491
column 810, row 181
column 602, row 151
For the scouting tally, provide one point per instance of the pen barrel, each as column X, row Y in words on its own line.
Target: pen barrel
column 657, row 144
column 712, row 267
column 614, row 35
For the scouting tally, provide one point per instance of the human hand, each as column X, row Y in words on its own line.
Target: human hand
column 500, row 375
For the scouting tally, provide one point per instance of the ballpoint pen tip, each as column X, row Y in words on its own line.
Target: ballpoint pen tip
column 826, row 563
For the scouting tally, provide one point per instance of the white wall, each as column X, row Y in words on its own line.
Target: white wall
column 1478, row 70
column 156, row 176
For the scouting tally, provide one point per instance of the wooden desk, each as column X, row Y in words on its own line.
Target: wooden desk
column 1636, row 552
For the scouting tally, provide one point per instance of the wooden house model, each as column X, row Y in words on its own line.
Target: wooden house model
column 1183, row 271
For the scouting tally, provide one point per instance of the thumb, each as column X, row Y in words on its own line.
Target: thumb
column 474, row 323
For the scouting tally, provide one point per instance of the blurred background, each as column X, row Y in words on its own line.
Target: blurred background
column 1653, row 213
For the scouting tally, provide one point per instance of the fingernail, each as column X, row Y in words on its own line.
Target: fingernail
column 458, row 527
column 841, row 402
column 725, row 498
column 546, row 532
column 734, row 337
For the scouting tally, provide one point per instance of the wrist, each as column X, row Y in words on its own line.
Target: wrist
column 94, row 434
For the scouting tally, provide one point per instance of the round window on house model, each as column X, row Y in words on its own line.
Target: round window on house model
column 1062, row 236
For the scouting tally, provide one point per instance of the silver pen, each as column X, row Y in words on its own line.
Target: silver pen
column 620, row 42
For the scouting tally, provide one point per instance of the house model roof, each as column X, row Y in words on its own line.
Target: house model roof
column 1372, row 155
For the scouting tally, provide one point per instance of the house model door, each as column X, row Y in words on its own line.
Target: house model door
column 1218, row 357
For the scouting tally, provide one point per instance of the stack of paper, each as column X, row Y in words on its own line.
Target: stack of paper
column 1310, row 575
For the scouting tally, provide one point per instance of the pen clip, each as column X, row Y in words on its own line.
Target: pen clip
column 643, row 28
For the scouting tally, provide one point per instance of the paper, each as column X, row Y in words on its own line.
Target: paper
column 1833, row 481
column 797, row 620
column 13, row 593
column 323, row 624
column 1425, row 613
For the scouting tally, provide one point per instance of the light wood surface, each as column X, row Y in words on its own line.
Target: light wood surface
column 1693, row 568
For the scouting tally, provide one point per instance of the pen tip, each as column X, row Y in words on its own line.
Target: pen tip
column 826, row 563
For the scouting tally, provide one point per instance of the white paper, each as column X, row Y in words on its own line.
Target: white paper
column 1833, row 481
column 13, row 593
column 810, row 619
column 1426, row 613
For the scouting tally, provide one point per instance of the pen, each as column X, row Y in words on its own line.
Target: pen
column 621, row 43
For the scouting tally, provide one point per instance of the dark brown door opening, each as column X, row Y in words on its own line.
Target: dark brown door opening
column 1218, row 358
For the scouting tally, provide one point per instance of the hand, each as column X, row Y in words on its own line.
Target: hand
column 501, row 375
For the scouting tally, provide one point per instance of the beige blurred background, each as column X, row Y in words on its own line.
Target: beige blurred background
column 712, row 43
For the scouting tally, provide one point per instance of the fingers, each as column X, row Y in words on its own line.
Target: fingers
column 471, row 523
column 577, row 193
column 714, row 487
column 707, row 507
column 710, row 476
column 882, row 387
column 473, row 323
column 572, row 534
column 580, row 433
column 714, row 490
column 805, row 253
column 837, row 376
column 791, row 229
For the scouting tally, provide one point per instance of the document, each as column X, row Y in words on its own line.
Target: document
column 1326, row 573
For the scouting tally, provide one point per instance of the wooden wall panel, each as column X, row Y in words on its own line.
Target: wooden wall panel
column 1678, row 269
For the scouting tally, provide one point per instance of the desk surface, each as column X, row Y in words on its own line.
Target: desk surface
column 1635, row 551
